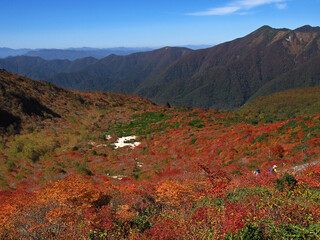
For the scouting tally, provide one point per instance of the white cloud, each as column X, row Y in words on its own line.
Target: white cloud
column 239, row 5
column 281, row 5
column 255, row 3
column 217, row 11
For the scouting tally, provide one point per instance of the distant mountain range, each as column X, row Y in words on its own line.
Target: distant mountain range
column 70, row 53
column 6, row 52
column 77, row 53
column 225, row 76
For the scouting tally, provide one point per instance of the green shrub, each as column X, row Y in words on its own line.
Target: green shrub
column 142, row 223
column 193, row 140
column 261, row 138
column 287, row 180
column 290, row 231
column 75, row 148
column 136, row 172
column 196, row 123
column 142, row 124
column 82, row 169
column 250, row 232
column 31, row 148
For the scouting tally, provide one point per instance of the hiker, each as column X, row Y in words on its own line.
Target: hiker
column 273, row 169
column 257, row 171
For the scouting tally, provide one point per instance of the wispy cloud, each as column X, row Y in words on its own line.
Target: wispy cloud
column 217, row 11
column 238, row 6
column 281, row 5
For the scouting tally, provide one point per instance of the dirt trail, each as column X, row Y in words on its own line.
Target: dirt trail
column 303, row 166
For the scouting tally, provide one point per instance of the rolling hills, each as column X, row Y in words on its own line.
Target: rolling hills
column 190, row 177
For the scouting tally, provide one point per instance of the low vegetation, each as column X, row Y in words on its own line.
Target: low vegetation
column 192, row 176
column 285, row 105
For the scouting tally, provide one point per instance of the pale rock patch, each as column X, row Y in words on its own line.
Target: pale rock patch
column 119, row 177
column 124, row 142
column 139, row 164
column 108, row 137
column 94, row 144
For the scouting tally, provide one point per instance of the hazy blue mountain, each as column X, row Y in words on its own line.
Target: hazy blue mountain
column 70, row 53
column 40, row 69
column 6, row 52
column 77, row 53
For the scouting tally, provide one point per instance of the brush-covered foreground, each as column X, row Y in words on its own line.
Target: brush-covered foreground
column 190, row 178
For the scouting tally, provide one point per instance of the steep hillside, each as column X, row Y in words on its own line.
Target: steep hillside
column 94, row 165
column 284, row 105
column 227, row 75
column 25, row 103
column 120, row 73
column 307, row 74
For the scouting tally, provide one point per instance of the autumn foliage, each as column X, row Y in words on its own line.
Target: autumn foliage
column 192, row 176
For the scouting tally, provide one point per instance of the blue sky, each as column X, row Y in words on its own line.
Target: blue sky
column 144, row 23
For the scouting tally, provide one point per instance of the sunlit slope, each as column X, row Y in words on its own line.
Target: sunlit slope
column 286, row 104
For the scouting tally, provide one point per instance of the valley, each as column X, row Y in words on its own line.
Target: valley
column 160, row 120
column 190, row 177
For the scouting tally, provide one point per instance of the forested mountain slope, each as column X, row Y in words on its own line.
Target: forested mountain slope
column 227, row 75
column 120, row 73
column 40, row 69
column 307, row 74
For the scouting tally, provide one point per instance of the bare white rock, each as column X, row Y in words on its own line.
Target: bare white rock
column 119, row 177
column 108, row 137
column 124, row 142
column 139, row 164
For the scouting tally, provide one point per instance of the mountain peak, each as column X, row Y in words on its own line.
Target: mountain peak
column 308, row 29
column 264, row 28
column 267, row 29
